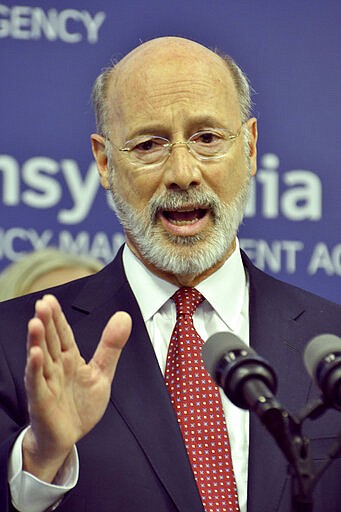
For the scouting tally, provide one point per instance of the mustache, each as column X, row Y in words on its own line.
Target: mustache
column 184, row 199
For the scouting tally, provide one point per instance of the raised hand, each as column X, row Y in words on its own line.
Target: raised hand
column 66, row 396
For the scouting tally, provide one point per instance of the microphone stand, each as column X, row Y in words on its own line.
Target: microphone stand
column 250, row 383
column 287, row 432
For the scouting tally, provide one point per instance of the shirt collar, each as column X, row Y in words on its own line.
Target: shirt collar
column 224, row 289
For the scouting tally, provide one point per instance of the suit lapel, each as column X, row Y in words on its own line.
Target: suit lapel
column 138, row 391
column 274, row 331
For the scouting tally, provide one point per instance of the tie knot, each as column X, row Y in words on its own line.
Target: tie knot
column 187, row 300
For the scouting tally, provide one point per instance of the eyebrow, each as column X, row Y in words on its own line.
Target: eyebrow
column 194, row 124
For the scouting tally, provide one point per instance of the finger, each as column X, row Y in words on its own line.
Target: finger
column 34, row 379
column 44, row 312
column 36, row 338
column 61, row 326
column 114, row 337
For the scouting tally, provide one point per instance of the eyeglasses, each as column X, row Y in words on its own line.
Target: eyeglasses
column 204, row 145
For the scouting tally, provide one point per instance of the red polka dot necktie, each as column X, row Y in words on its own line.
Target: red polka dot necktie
column 197, row 403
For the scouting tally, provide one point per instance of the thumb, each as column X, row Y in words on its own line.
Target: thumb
column 113, row 339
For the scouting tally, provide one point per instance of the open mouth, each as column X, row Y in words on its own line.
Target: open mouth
column 184, row 217
column 186, row 221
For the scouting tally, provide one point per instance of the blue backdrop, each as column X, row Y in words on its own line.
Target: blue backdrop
column 50, row 54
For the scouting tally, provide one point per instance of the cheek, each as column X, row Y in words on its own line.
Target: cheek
column 134, row 186
column 227, row 178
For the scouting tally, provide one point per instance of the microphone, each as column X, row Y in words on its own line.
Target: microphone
column 246, row 378
column 250, row 382
column 322, row 359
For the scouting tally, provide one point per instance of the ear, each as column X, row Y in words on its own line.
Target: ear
column 98, row 150
column 251, row 125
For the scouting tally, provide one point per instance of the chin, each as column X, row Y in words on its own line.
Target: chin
column 186, row 255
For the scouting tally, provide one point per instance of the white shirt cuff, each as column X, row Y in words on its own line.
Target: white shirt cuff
column 29, row 494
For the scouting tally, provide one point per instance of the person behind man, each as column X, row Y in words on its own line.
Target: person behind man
column 42, row 269
column 176, row 148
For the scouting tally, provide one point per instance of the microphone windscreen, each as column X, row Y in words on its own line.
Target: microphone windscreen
column 318, row 348
column 217, row 346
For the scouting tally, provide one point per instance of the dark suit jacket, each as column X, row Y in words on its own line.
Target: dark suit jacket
column 135, row 459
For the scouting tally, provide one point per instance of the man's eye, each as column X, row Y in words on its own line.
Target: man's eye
column 207, row 138
column 149, row 145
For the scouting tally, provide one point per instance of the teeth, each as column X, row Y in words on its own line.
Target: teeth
column 183, row 222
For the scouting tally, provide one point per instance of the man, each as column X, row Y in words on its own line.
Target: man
column 177, row 150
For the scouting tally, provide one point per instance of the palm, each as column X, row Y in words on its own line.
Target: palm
column 71, row 400
column 67, row 396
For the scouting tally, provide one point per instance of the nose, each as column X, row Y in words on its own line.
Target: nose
column 181, row 168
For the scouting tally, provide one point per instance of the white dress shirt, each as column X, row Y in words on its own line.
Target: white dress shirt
column 225, row 309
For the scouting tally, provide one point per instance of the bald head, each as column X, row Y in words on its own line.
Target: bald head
column 164, row 49
column 172, row 53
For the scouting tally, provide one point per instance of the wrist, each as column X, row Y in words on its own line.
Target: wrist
column 41, row 461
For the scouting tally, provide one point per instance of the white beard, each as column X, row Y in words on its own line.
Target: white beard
column 182, row 255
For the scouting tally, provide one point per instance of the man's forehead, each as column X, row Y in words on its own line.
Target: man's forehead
column 170, row 73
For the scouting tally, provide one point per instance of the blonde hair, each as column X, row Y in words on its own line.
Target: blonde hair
column 18, row 277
